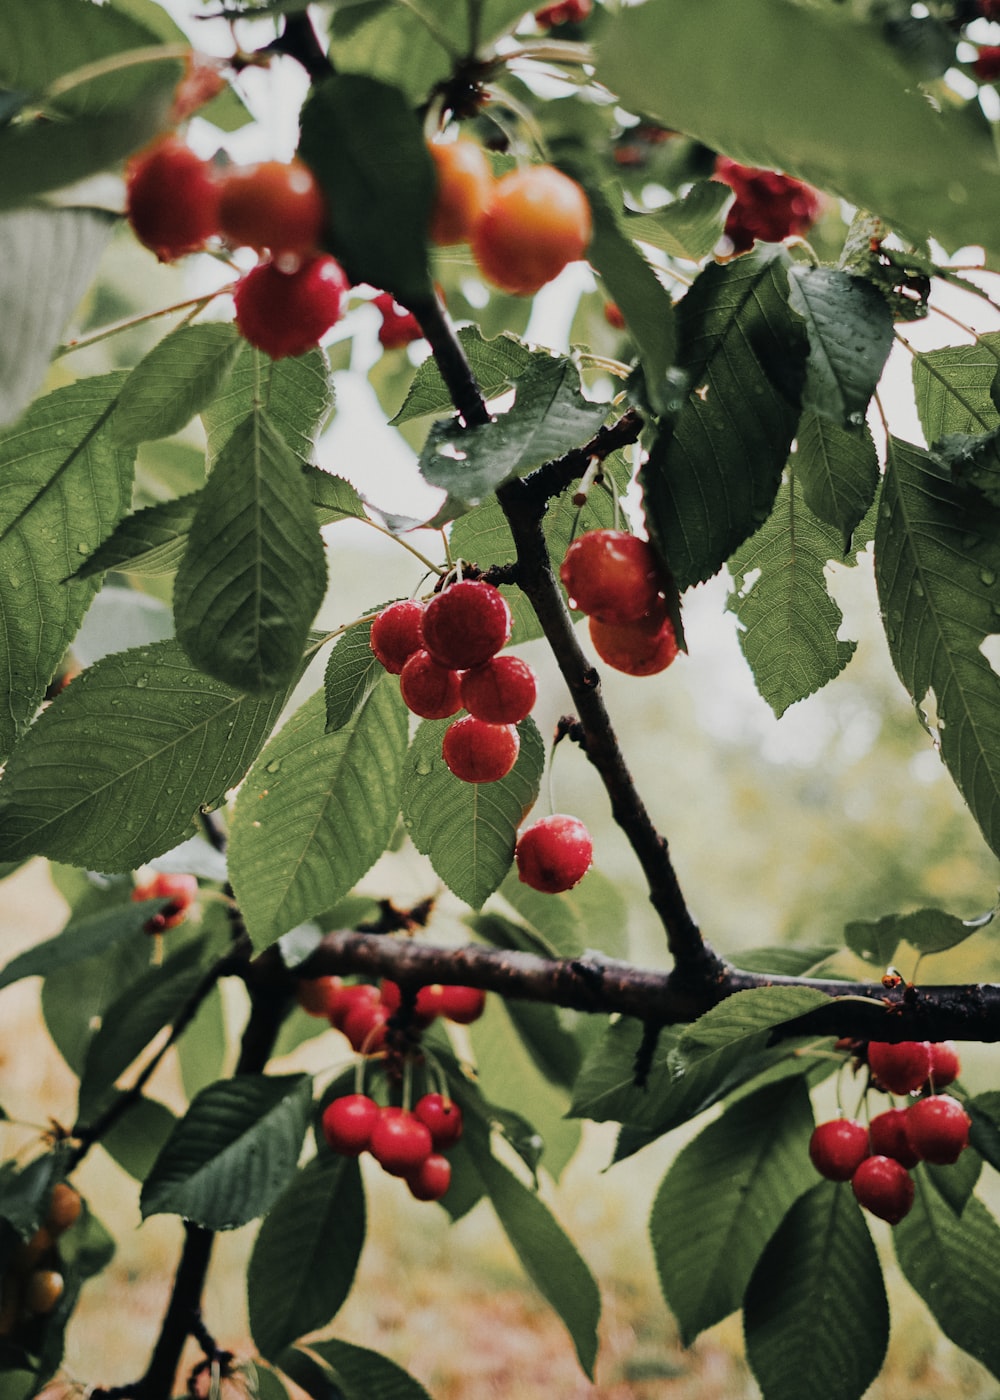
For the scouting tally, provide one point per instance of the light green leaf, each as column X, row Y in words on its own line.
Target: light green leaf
column 952, row 388
column 203, row 1049
column 333, row 497
column 352, row 673
column 954, row 1264
column 395, row 44
column 711, row 477
column 176, row 380
column 64, row 489
column 306, row 1253
column 838, row 471
column 495, row 363
column 926, row 930
column 136, row 1139
column 788, row 622
column 722, row 1200
column 816, row 1303
column 233, row 1153
column 468, row 830
column 297, row 392
column 81, row 938
column 150, row 541
column 139, row 732
column 254, row 572
column 745, row 1014
column 689, row 227
column 316, row 811
column 361, row 1374
column 937, row 567
column 850, row 336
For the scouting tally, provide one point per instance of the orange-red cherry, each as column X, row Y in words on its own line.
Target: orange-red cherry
column 171, row 199
column 464, row 184
column 611, row 575
column 276, row 206
column 641, row 648
column 536, row 222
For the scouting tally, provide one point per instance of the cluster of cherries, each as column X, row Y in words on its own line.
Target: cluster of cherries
column 933, row 1128
column 33, row 1284
column 768, row 206
column 615, row 578
column 362, row 1011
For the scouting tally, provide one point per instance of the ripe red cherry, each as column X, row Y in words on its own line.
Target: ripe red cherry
column 276, row 205
column 642, row 648
column 399, row 1142
column 431, row 1179
column 887, row 1133
column 613, row 315
column 181, row 890
column 365, row 1026
column 319, row 995
column 554, row 853
column 399, row 327
column 502, row 690
column 937, row 1129
column 429, row 689
column 288, row 313
column 345, row 1001
column 348, row 1122
column 461, row 1004
column 425, row 1009
column 838, row 1147
column 900, row 1068
column 479, row 752
column 395, row 634
column 945, row 1064
column 466, row 624
column 986, row 64
column 884, row 1187
column 536, row 222
column 442, row 1118
column 171, row 199
column 611, row 575
column 768, row 206
column 464, row 183
column 564, row 12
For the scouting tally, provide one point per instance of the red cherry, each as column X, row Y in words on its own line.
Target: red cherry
column 503, row 690
column 900, row 1068
column 838, row 1147
column 642, row 648
column 768, row 206
column 319, row 995
column 399, row 327
column 399, row 1142
column 564, row 12
column 348, row 998
column 554, row 853
column 429, row 689
column 466, row 624
column 171, row 199
column 537, row 221
column 887, row 1133
column 937, row 1129
column 348, row 1122
column 276, row 205
column 884, row 1187
column 442, row 1117
column 365, row 1027
column 395, row 634
column 463, row 1005
column 202, row 81
column 288, row 313
column 181, row 890
column 611, row 575
column 986, row 64
column 425, row 1009
column 945, row 1064
column 613, row 316
column 479, row 752
column 431, row 1179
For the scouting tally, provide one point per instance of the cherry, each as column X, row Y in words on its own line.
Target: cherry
column 348, row 998
column 536, row 222
column 884, row 1187
column 838, row 1147
column 347, row 1123
column 768, row 206
column 611, row 575
column 554, row 853
column 201, row 82
column 463, row 1005
column 642, row 648
column 319, row 995
column 395, row 634
column 64, row 1209
column 613, row 316
column 171, row 199
column 464, row 184
column 564, row 12
column 887, row 1133
column 466, row 624
column 986, row 64
column 364, row 1025
column 429, row 689
column 431, row 1179
column 399, row 327
column 441, row 1117
column 181, row 890
column 44, row 1289
column 502, row 690
column 945, row 1064
column 288, row 313
column 399, row 1142
column 276, row 205
column 937, row 1129
column 479, row 752
column 900, row 1068
column 425, row 1008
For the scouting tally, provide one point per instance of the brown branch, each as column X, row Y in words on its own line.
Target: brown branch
column 456, row 371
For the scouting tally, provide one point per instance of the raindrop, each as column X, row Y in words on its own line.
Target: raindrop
column 970, row 541
column 142, row 682
column 988, row 577
column 83, row 548
column 423, row 766
column 274, row 766
column 918, row 588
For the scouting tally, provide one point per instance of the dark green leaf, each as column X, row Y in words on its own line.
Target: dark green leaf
column 395, row 44
column 233, row 1153
column 176, row 380
column 75, row 997
column 952, row 388
column 850, row 336
column 203, row 1048
column 816, row 1303
column 955, row 1182
column 297, row 392
column 361, row 1374
column 926, row 930
column 689, row 227
column 495, row 363
column 974, row 462
column 138, row 1136
column 150, row 541
column 984, row 1110
column 24, row 1193
column 838, row 471
column 81, row 938
column 747, row 1013
column 352, row 673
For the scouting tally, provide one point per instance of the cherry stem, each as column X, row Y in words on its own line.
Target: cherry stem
column 195, row 304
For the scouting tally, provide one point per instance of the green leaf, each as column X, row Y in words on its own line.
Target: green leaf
column 850, row 336
column 361, row 1374
column 333, row 497
column 378, row 178
column 81, row 938
column 953, row 1262
column 352, row 673
column 316, row 811
column 722, row 1200
column 150, row 541
column 468, row 830
column 788, row 622
column 176, row 380
column 203, row 1049
column 926, row 930
column 306, row 1253
column 955, row 1182
column 139, row 731
column 937, row 565
column 394, row 44
column 254, row 572
column 50, row 258
column 712, row 476
column 233, row 1153
column 681, row 62
column 65, row 488
column 495, row 363
column 297, row 392
column 952, row 388
column 984, row 1110
column 549, row 417
column 688, row 227
column 75, row 997
column 838, row 471
column 594, row 914
column 816, row 1303
column 137, row 1138
column 549, row 1257
column 745, row 1014
column 784, row 960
